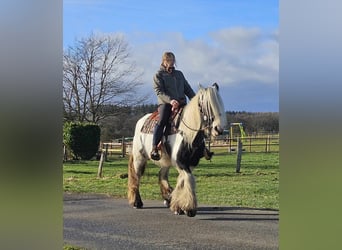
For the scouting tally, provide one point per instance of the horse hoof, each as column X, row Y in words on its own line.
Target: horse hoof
column 138, row 205
column 191, row 213
column 166, row 203
column 179, row 212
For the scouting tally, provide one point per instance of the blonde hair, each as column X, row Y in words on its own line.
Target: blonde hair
column 167, row 56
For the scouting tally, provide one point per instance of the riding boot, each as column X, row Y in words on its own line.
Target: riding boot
column 155, row 154
column 208, row 154
column 157, row 136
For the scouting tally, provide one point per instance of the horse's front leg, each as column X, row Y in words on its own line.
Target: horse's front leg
column 165, row 187
column 135, row 171
column 184, row 198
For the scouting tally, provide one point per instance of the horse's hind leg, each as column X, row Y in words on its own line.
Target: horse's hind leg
column 165, row 187
column 135, row 171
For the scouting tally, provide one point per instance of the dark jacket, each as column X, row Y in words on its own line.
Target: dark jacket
column 170, row 86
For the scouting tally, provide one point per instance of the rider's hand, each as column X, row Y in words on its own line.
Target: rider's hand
column 174, row 104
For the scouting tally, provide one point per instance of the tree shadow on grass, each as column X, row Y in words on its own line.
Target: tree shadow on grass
column 79, row 172
column 215, row 174
column 74, row 161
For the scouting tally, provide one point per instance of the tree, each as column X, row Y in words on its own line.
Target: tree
column 97, row 72
column 260, row 122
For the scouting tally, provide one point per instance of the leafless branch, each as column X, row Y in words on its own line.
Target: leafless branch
column 97, row 72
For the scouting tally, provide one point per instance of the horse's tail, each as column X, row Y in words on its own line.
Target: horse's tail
column 184, row 195
column 132, row 181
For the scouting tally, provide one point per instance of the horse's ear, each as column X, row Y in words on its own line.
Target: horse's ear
column 200, row 86
column 215, row 85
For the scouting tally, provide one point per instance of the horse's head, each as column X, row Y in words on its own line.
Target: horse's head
column 212, row 109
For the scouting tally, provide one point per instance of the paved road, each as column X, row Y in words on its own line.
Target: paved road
column 101, row 222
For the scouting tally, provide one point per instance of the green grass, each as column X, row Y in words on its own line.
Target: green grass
column 70, row 247
column 256, row 186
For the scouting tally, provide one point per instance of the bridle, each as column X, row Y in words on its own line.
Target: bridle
column 206, row 115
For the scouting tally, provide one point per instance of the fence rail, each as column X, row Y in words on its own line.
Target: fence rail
column 266, row 144
column 116, row 148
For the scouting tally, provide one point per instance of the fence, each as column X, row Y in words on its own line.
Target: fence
column 116, row 148
column 268, row 143
column 122, row 148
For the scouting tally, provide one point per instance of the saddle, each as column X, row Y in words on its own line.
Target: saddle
column 172, row 127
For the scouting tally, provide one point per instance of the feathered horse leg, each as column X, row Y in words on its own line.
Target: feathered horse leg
column 134, row 175
column 183, row 197
column 165, row 187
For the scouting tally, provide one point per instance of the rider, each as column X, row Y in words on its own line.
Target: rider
column 171, row 88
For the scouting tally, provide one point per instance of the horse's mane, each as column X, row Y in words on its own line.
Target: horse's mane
column 206, row 99
column 191, row 120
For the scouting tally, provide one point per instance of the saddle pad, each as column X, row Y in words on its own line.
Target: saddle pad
column 152, row 120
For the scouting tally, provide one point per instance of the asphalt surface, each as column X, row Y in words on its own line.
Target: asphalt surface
column 102, row 222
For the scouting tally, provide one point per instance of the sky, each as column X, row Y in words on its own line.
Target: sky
column 231, row 42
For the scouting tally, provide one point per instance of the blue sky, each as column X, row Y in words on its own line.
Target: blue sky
column 232, row 42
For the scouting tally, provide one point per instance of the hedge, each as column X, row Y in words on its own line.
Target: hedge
column 82, row 139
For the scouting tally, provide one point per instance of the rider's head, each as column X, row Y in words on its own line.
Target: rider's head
column 168, row 61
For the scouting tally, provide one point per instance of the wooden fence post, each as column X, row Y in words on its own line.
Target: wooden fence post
column 230, row 145
column 99, row 170
column 106, row 153
column 239, row 155
column 123, row 147
column 268, row 142
column 65, row 154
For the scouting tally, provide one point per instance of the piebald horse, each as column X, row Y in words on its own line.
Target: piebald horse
column 203, row 116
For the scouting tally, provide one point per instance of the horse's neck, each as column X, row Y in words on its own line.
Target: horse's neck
column 191, row 120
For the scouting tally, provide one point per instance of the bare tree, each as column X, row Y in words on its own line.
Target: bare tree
column 97, row 72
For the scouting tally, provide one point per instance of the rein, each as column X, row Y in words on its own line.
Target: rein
column 205, row 116
column 192, row 129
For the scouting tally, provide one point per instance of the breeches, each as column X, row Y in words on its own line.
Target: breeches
column 164, row 116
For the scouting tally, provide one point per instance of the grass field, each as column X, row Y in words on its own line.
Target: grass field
column 256, row 186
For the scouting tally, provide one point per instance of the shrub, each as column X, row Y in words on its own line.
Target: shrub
column 82, row 139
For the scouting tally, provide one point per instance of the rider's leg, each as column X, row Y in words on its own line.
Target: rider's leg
column 164, row 115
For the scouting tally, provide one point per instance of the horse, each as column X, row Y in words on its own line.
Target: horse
column 203, row 116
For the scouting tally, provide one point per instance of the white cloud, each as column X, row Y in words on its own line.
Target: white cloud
column 230, row 57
